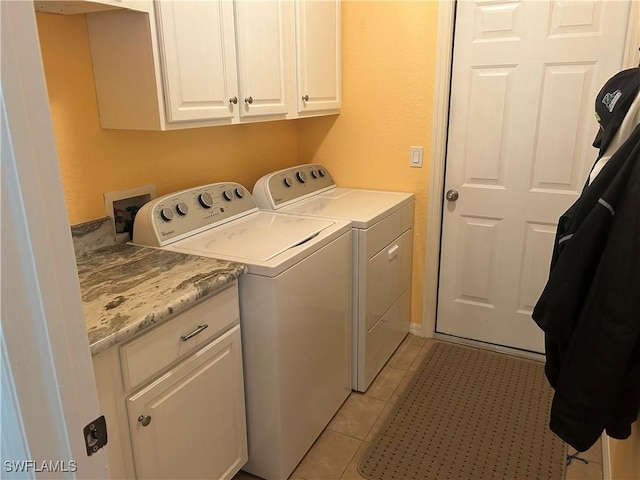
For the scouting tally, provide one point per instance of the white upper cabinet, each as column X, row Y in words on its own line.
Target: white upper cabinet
column 318, row 56
column 263, row 31
column 196, row 63
column 198, row 57
column 72, row 7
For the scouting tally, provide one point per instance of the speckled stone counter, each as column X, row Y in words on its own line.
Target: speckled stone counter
column 127, row 289
column 92, row 235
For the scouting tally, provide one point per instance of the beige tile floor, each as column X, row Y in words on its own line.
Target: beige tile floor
column 336, row 453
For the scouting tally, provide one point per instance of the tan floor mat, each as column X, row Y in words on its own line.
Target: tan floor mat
column 469, row 414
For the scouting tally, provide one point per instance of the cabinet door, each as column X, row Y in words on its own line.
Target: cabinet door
column 197, row 48
column 197, row 417
column 263, row 30
column 318, row 55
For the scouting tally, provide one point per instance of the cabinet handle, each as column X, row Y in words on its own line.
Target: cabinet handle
column 305, row 98
column 233, row 100
column 200, row 328
column 248, row 100
column 144, row 420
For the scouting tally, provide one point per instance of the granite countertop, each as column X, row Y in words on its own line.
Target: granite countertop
column 127, row 288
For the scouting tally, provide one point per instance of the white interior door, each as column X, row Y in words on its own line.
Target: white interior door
column 525, row 76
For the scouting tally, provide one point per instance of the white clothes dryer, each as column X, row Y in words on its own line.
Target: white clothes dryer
column 295, row 306
column 382, row 224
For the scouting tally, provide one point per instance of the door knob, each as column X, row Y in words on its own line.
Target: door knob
column 452, row 195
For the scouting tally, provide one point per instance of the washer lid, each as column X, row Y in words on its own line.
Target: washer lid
column 362, row 207
column 255, row 238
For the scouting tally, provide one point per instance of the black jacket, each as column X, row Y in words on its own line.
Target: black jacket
column 590, row 307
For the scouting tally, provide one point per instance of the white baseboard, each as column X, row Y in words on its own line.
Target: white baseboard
column 416, row 329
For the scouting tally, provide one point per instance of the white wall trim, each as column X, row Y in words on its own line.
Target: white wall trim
column 630, row 59
column 43, row 329
column 606, row 458
column 631, row 54
column 416, row 329
column 446, row 18
column 12, row 435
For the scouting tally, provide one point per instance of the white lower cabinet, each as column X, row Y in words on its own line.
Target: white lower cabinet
column 190, row 422
column 173, row 397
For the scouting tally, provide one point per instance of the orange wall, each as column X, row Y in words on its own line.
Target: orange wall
column 94, row 161
column 388, row 70
column 388, row 65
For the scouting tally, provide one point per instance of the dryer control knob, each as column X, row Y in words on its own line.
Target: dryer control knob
column 205, row 200
column 287, row 182
column 227, row 195
column 182, row 208
column 301, row 177
column 166, row 214
column 314, row 174
column 321, row 172
column 239, row 192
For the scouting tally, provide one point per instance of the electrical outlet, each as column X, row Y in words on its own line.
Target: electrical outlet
column 416, row 157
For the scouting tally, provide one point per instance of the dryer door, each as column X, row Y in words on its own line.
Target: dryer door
column 388, row 276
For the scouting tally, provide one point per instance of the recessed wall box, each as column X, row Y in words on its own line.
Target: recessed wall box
column 122, row 205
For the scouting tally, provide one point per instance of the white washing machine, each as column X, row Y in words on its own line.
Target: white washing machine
column 295, row 306
column 382, row 223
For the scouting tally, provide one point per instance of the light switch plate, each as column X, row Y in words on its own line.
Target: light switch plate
column 416, row 157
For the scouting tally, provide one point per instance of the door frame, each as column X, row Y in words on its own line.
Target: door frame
column 46, row 366
column 439, row 133
column 437, row 162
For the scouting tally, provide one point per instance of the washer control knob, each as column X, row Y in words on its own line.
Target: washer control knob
column 182, row 208
column 314, row 174
column 301, row 176
column 239, row 192
column 205, row 200
column 227, row 195
column 321, row 172
column 287, row 182
column 166, row 214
